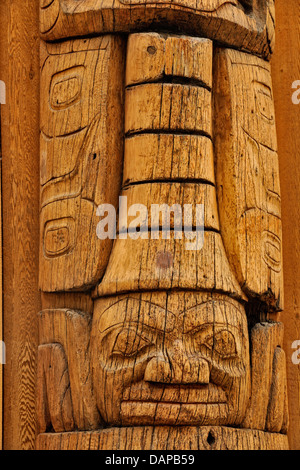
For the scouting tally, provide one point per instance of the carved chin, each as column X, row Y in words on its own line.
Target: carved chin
column 170, row 405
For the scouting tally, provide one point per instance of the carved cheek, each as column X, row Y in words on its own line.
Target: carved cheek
column 113, row 373
column 230, row 368
column 123, row 357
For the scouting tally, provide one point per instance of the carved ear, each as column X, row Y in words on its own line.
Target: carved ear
column 268, row 404
column 277, row 417
column 54, row 402
column 64, row 380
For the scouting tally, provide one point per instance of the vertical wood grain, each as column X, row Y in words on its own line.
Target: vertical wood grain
column 1, row 296
column 20, row 150
column 286, row 69
column 1, row 241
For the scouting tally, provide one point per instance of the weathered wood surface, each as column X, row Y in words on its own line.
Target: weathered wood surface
column 195, row 342
column 139, row 264
column 64, row 393
column 247, row 174
column 157, row 56
column 81, row 149
column 186, row 157
column 175, row 359
column 170, row 359
column 268, row 408
column 165, row 438
column 168, row 341
column 243, row 24
column 167, row 157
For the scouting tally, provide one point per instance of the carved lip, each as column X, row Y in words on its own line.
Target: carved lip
column 192, row 394
column 162, row 413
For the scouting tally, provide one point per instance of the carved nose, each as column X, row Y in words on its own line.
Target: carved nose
column 177, row 367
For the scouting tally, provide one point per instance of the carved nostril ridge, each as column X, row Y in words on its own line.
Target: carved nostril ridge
column 158, row 370
column 177, row 369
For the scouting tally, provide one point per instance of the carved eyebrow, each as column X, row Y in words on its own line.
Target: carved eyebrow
column 139, row 301
column 189, row 325
column 196, row 306
column 197, row 328
column 215, row 327
column 132, row 324
column 210, row 301
column 158, row 318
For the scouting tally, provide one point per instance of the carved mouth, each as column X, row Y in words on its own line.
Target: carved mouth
column 175, row 394
column 166, row 413
column 147, row 403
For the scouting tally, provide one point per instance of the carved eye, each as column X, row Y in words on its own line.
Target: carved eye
column 129, row 343
column 223, row 343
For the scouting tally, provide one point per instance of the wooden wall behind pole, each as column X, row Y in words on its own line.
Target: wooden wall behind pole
column 1, row 280
column 286, row 69
column 19, row 61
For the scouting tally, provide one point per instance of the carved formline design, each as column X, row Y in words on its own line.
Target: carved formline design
column 179, row 341
column 245, row 24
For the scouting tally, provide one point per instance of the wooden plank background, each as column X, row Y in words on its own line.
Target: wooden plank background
column 286, row 69
column 19, row 68
column 19, row 61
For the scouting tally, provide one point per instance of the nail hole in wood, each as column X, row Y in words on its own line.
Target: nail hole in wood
column 211, row 438
column 151, row 50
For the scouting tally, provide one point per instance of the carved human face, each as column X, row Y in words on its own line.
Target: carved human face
column 170, row 359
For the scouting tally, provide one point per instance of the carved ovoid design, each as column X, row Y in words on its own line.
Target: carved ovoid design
column 180, row 351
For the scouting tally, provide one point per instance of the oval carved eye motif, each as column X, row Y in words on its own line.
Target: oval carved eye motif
column 129, row 343
column 223, row 343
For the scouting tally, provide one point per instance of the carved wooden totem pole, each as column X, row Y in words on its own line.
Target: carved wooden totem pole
column 145, row 344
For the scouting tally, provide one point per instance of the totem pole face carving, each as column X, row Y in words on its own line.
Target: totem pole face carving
column 155, row 364
column 186, row 117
